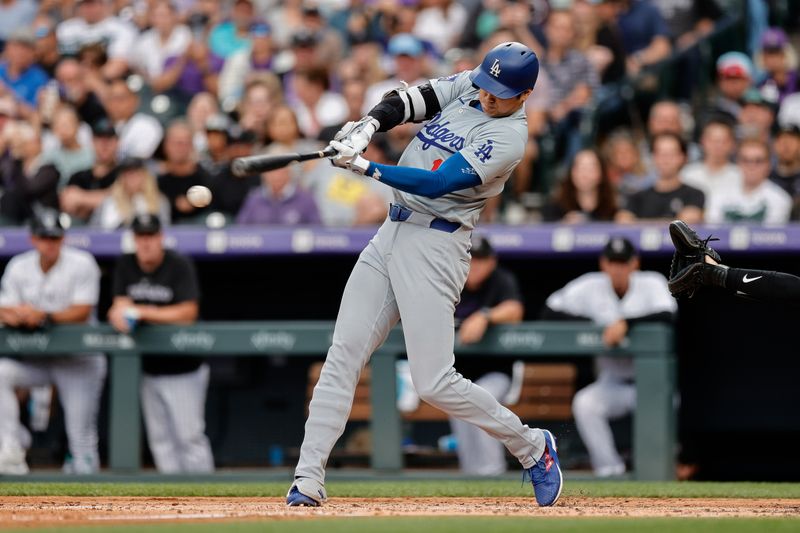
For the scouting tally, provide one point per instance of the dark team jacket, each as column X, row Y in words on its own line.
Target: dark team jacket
column 174, row 281
column 500, row 286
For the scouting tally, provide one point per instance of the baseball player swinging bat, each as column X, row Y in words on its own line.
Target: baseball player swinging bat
column 473, row 135
column 254, row 164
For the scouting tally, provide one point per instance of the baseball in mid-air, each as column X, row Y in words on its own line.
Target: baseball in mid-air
column 199, row 196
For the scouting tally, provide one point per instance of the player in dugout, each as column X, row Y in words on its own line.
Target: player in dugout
column 51, row 284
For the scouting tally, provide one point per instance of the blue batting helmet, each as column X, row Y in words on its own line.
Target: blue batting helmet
column 507, row 70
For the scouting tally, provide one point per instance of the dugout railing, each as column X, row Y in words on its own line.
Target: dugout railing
column 651, row 346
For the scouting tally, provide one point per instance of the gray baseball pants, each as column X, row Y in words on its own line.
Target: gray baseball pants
column 414, row 274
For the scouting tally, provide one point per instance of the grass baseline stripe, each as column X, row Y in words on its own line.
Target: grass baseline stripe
column 399, row 489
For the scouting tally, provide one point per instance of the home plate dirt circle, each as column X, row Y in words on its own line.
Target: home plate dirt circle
column 45, row 510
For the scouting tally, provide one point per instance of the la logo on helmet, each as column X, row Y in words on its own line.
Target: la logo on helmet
column 495, row 70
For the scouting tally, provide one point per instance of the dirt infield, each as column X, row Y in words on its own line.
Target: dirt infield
column 48, row 510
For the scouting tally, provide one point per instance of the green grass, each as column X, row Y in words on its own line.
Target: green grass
column 390, row 489
column 460, row 525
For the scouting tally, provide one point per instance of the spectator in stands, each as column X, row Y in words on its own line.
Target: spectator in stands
column 214, row 157
column 15, row 14
column 757, row 199
column 601, row 40
column 279, row 199
column 353, row 90
column 408, row 55
column 688, row 22
column 665, row 116
column 19, row 73
column 26, row 180
column 585, row 194
column 260, row 97
column 159, row 286
column 70, row 155
column 87, row 189
column 779, row 61
column 237, row 68
column 734, row 77
column 331, row 46
column 624, row 164
column 228, row 190
column 317, row 106
column 233, row 35
column 181, row 171
column 201, row 108
column 74, row 88
column 715, row 170
column 192, row 72
column 305, row 47
column 363, row 62
column 345, row 198
column 644, row 33
column 134, row 192
column 786, row 171
column 789, row 112
column 616, row 298
column 47, row 53
column 283, row 128
column 756, row 118
column 440, row 22
column 668, row 198
column 51, row 284
column 573, row 80
column 139, row 134
column 167, row 37
column 96, row 25
column 491, row 295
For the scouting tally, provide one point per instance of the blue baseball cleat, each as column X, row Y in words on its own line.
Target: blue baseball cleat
column 306, row 492
column 546, row 474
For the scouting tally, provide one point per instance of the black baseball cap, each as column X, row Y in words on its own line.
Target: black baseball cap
column 304, row 38
column 130, row 163
column 146, row 225
column 789, row 128
column 239, row 135
column 619, row 249
column 47, row 223
column 103, row 128
column 481, row 247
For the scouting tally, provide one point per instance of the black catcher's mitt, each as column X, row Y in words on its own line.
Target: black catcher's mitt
column 688, row 266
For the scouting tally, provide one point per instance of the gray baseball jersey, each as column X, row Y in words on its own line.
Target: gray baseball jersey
column 414, row 274
column 493, row 146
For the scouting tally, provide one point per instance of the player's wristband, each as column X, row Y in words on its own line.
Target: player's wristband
column 486, row 312
column 359, row 165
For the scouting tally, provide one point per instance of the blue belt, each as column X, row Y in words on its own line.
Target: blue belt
column 400, row 213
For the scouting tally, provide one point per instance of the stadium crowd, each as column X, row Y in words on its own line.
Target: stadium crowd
column 114, row 108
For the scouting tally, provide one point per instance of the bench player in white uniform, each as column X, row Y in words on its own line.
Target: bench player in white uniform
column 617, row 297
column 57, row 284
column 413, row 270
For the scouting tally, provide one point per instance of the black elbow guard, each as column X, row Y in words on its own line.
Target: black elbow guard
column 407, row 104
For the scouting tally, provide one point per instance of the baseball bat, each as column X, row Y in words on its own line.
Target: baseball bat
column 254, row 164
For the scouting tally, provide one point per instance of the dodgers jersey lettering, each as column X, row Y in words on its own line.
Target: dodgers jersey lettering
column 492, row 146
